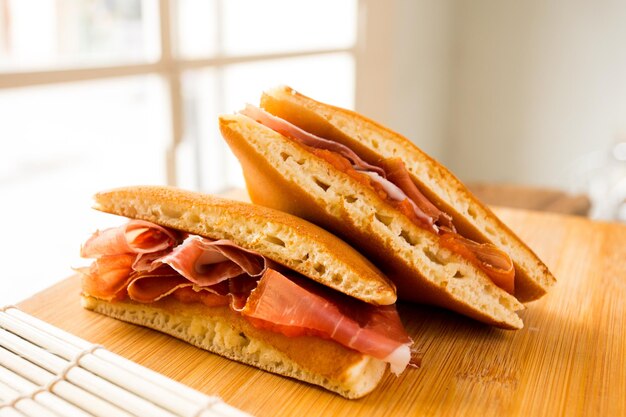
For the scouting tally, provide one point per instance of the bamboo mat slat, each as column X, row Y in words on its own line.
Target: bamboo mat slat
column 45, row 371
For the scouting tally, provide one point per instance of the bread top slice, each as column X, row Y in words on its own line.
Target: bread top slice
column 284, row 175
column 374, row 142
column 281, row 237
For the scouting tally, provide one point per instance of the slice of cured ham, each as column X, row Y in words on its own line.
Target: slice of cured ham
column 205, row 262
column 107, row 275
column 305, row 138
column 136, row 236
column 295, row 308
column 398, row 174
column 136, row 253
column 149, row 287
column 494, row 262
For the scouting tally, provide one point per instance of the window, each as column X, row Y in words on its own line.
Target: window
column 104, row 93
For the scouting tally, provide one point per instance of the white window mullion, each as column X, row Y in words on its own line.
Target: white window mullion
column 171, row 75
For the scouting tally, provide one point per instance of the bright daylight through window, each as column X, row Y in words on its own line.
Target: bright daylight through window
column 104, row 93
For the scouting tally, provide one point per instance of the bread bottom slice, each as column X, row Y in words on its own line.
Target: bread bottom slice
column 224, row 332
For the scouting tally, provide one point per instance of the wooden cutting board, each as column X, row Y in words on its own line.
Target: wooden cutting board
column 569, row 360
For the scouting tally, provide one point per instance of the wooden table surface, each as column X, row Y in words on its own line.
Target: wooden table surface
column 569, row 360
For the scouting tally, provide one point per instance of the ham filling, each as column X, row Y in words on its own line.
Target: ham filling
column 146, row 262
column 393, row 183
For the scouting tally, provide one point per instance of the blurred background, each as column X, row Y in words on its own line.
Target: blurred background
column 525, row 101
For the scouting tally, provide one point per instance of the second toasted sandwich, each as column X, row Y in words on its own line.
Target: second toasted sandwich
column 379, row 192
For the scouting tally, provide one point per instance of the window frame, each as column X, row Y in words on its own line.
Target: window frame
column 170, row 67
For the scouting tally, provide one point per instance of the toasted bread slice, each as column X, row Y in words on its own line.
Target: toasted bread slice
column 286, row 239
column 374, row 142
column 282, row 174
column 219, row 330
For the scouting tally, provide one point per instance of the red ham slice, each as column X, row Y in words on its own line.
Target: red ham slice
column 144, row 247
column 137, row 237
column 107, row 275
column 151, row 286
column 305, row 138
column 495, row 263
column 191, row 295
column 428, row 212
column 205, row 262
column 295, row 308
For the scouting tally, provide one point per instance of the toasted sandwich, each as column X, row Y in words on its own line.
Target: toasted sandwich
column 250, row 283
column 383, row 195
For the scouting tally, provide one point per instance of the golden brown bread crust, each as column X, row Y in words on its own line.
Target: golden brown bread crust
column 286, row 239
column 222, row 331
column 373, row 141
column 282, row 174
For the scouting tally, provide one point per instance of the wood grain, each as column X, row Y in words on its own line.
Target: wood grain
column 569, row 360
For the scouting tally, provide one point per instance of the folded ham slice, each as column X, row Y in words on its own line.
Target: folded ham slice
column 294, row 307
column 495, row 263
column 108, row 275
column 136, row 236
column 148, row 287
column 205, row 262
column 398, row 174
column 290, row 130
column 219, row 272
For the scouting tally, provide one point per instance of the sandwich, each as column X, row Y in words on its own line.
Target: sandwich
column 380, row 193
column 246, row 282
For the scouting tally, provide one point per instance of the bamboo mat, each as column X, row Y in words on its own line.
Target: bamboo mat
column 45, row 371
